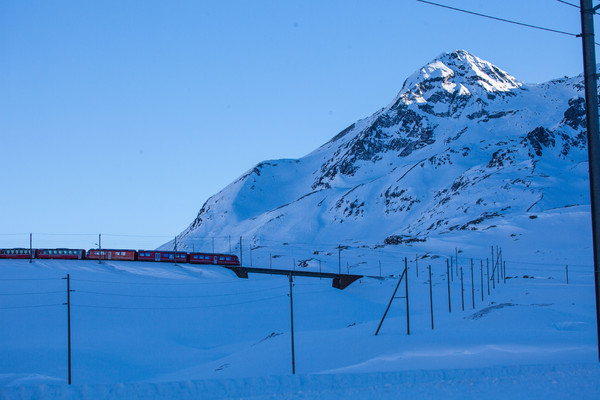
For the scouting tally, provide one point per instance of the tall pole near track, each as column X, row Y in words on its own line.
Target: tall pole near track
column 292, row 325
column 591, row 108
column 68, row 304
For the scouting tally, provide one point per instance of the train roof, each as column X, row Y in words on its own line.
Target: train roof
column 103, row 249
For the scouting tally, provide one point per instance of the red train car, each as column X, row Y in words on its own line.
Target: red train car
column 112, row 254
column 218, row 259
column 17, row 253
column 60, row 254
column 162, row 256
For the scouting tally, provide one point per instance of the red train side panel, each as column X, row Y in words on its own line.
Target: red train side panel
column 112, row 254
column 215, row 259
column 16, row 253
column 162, row 256
column 227, row 259
column 60, row 254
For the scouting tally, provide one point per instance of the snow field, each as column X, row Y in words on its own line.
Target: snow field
column 151, row 330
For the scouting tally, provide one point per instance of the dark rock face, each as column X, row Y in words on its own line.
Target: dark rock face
column 574, row 116
column 539, row 138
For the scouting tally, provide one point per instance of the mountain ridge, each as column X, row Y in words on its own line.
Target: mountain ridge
column 464, row 146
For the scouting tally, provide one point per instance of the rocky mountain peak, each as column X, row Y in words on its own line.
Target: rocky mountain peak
column 456, row 74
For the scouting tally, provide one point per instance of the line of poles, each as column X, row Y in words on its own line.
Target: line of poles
column 452, row 266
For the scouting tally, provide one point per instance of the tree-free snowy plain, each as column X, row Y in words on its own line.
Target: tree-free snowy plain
column 150, row 330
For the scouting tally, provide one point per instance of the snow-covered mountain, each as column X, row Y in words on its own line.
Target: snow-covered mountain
column 464, row 146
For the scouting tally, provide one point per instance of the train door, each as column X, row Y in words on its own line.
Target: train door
column 216, row 259
column 157, row 256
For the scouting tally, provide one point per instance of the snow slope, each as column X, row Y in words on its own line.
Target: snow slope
column 142, row 330
column 463, row 147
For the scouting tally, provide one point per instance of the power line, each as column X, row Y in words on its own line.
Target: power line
column 569, row 4
column 34, row 306
column 27, row 294
column 177, row 308
column 499, row 19
column 30, row 279
column 235, row 280
column 177, row 297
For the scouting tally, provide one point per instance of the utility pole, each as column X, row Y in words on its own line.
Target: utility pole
column 99, row 248
column 430, row 297
column 591, row 108
column 340, row 259
column 292, row 325
column 417, row 264
column 31, row 247
column 448, row 279
column 68, row 304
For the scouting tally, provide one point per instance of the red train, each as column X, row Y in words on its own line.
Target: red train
column 122, row 255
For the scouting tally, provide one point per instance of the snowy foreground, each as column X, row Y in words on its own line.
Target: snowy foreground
column 149, row 331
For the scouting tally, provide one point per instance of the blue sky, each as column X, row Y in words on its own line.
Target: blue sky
column 124, row 117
